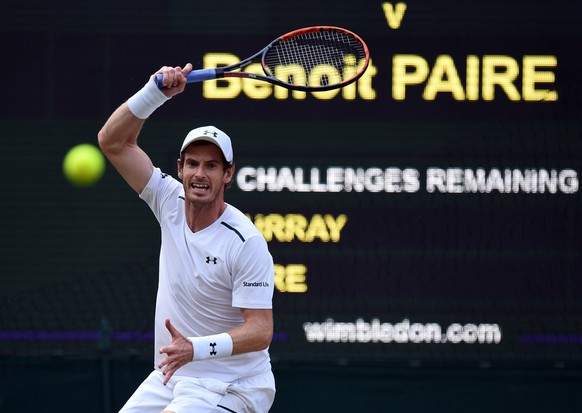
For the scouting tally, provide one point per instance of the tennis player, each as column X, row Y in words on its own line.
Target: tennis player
column 214, row 321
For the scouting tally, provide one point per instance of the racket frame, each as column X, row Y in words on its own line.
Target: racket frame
column 230, row 70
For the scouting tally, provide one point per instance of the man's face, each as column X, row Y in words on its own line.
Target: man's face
column 203, row 174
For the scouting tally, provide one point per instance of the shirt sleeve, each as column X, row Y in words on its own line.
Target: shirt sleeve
column 253, row 276
column 160, row 188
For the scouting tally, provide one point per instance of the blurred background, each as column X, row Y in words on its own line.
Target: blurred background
column 424, row 221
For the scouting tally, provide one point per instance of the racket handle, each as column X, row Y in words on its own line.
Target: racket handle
column 194, row 76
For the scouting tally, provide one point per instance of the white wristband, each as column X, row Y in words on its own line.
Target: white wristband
column 146, row 100
column 211, row 347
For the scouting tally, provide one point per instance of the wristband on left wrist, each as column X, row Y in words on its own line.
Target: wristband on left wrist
column 211, row 347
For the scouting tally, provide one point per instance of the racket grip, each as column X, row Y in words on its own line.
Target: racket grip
column 194, row 76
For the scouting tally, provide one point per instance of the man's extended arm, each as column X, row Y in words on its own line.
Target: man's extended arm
column 118, row 136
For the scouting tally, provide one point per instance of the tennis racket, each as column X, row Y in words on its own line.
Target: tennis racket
column 311, row 59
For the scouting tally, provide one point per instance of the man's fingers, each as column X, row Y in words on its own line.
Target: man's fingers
column 167, row 376
column 176, row 352
column 187, row 69
column 171, row 328
column 171, row 76
column 164, row 361
column 169, row 371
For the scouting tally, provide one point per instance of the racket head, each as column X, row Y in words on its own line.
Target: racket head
column 316, row 58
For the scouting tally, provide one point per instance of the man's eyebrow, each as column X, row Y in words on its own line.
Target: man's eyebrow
column 190, row 159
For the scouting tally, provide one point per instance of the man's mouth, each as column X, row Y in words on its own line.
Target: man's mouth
column 200, row 187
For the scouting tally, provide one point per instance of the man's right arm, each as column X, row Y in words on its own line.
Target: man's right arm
column 118, row 137
column 118, row 141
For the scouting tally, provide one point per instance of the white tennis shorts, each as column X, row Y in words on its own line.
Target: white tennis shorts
column 188, row 394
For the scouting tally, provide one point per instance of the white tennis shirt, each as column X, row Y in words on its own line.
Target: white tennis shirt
column 206, row 277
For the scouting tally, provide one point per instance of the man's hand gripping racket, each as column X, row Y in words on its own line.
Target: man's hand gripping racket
column 311, row 59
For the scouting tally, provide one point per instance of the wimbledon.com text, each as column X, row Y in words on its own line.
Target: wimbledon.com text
column 331, row 331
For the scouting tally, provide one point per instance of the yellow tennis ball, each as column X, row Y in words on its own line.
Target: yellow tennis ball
column 84, row 165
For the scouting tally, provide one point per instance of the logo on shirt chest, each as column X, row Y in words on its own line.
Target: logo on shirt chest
column 211, row 260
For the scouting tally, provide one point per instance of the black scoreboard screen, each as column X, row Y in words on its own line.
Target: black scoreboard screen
column 429, row 211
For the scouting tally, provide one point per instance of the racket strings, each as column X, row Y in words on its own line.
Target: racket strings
column 316, row 58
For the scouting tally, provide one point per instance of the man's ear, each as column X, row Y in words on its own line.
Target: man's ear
column 180, row 165
column 229, row 174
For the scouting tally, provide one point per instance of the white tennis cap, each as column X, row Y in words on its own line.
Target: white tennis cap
column 210, row 134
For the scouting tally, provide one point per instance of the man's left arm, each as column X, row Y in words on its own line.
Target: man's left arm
column 256, row 332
